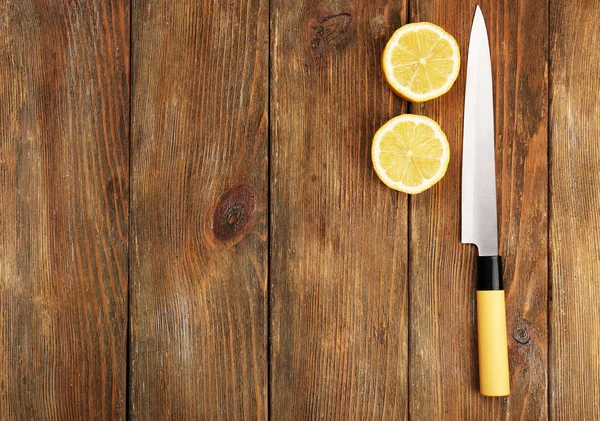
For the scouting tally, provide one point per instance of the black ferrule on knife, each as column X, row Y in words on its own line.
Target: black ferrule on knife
column 489, row 273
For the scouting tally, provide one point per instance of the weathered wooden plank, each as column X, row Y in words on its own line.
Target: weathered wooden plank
column 574, row 204
column 339, row 236
column 64, row 187
column 199, row 204
column 443, row 348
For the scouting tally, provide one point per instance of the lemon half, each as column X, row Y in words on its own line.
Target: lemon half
column 410, row 153
column 421, row 61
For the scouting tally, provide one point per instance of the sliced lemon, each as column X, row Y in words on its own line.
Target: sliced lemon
column 421, row 61
column 410, row 153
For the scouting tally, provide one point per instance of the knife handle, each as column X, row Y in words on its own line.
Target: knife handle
column 491, row 328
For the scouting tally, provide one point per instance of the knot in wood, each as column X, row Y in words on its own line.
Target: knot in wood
column 232, row 212
column 521, row 334
column 330, row 30
column 378, row 26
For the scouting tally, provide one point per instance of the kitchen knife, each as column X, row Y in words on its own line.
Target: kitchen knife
column 479, row 218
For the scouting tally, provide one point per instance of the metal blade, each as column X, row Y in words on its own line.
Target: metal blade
column 479, row 217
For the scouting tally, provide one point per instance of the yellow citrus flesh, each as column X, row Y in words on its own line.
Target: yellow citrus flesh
column 421, row 61
column 410, row 153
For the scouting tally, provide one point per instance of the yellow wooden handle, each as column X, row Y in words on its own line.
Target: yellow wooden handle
column 493, row 349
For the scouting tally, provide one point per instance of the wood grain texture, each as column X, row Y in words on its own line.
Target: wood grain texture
column 339, row 236
column 63, row 209
column 199, row 203
column 443, row 339
column 574, row 221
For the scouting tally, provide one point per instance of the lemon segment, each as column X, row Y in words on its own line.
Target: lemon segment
column 410, row 153
column 421, row 61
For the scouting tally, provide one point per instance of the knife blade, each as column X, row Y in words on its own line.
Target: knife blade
column 478, row 214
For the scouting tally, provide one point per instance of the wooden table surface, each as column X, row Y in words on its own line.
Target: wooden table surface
column 191, row 227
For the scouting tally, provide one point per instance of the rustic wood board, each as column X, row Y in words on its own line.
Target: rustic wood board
column 443, row 342
column 366, row 307
column 64, row 187
column 199, row 197
column 339, row 236
column 574, row 217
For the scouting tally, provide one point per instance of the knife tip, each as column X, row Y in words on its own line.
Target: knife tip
column 478, row 11
column 478, row 15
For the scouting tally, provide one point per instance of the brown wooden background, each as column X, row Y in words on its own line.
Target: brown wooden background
column 191, row 228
